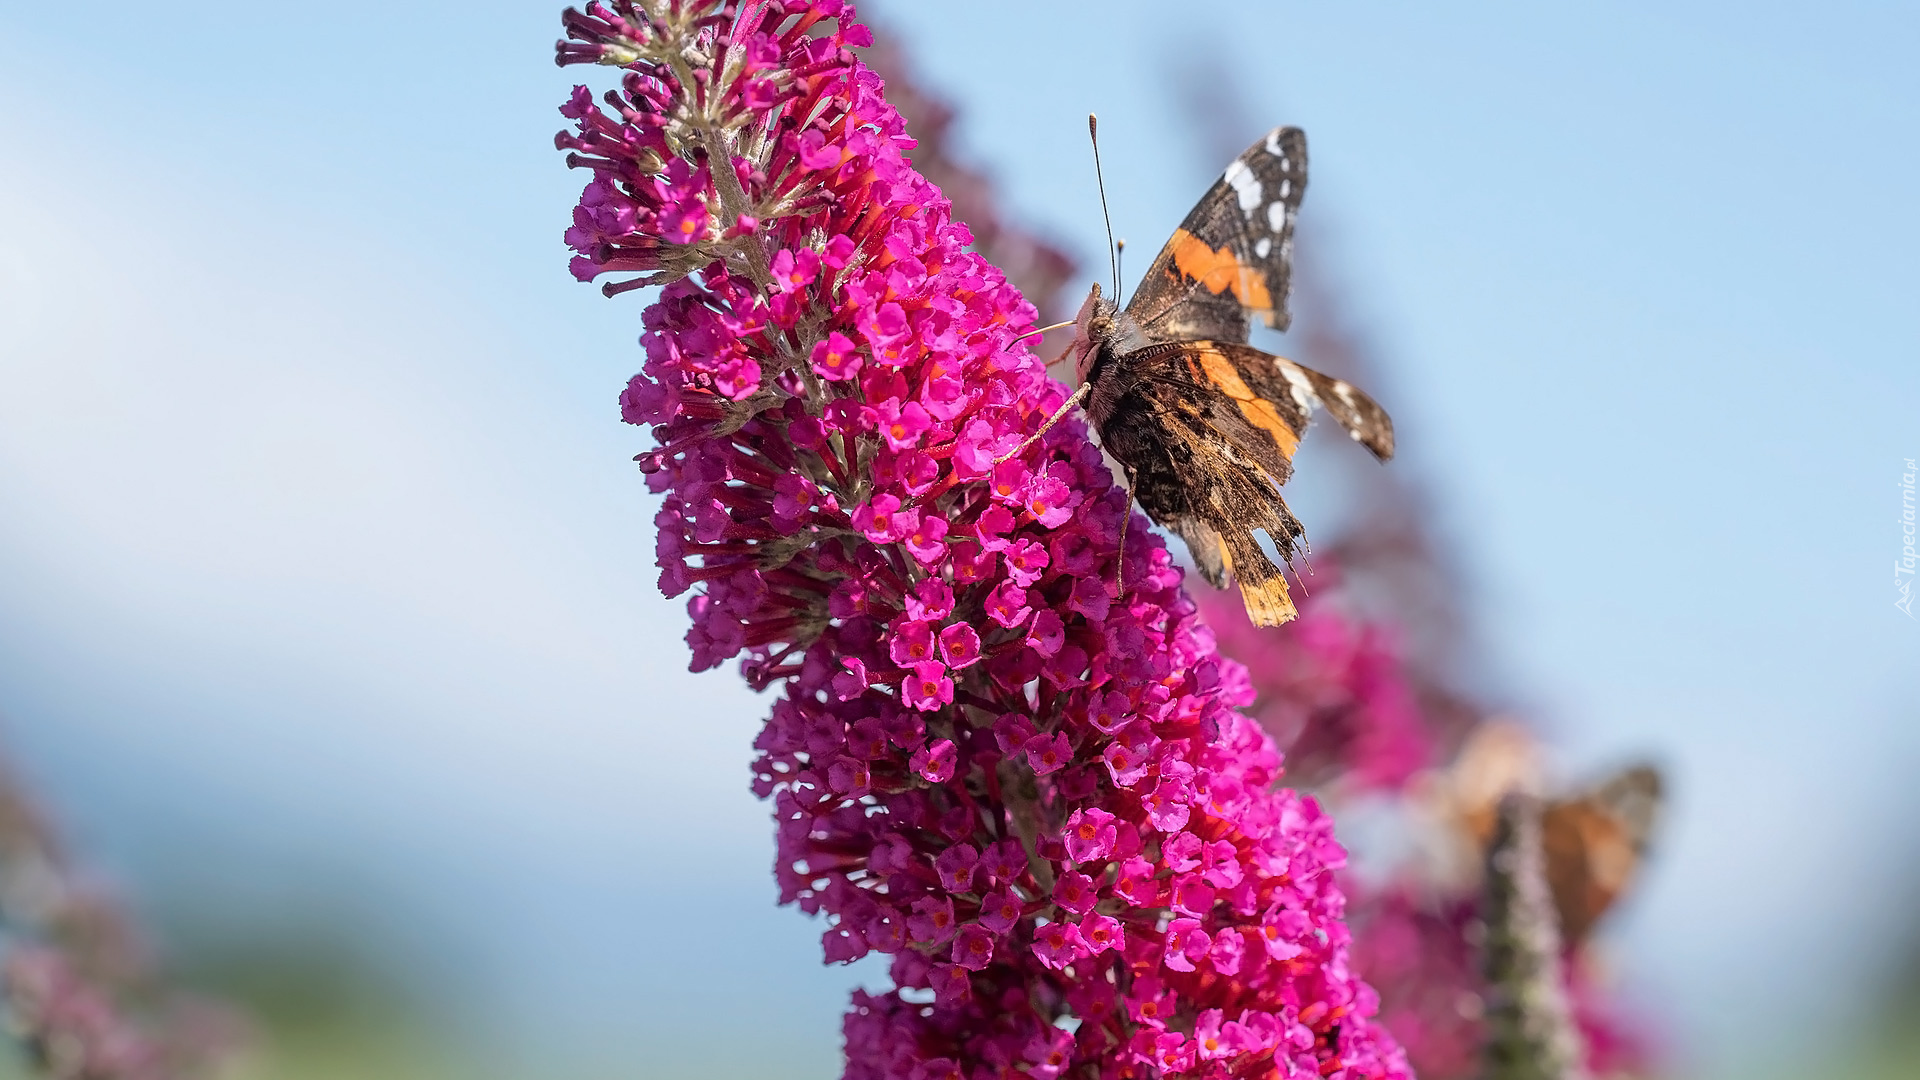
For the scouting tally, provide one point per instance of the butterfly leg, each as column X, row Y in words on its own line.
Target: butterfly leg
column 1078, row 396
column 1120, row 559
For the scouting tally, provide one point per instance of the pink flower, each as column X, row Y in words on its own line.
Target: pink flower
column 1057, row 944
column 973, row 948
column 950, row 984
column 928, row 688
column 1049, row 500
column 932, row 599
column 935, row 764
column 835, row 357
column 956, row 866
column 1186, row 942
column 959, row 646
column 901, row 425
column 794, row 498
column 793, row 270
column 1000, row 912
column 1047, row 634
column 1090, row 835
column 912, row 643
column 1007, row 604
column 1108, row 712
column 1207, row 1035
column 1026, row 561
column 932, row 920
column 683, row 220
column 958, row 681
column 925, row 540
column 1228, row 948
column 1100, row 933
column 1166, row 806
column 1173, row 1053
column 1046, row 754
column 1126, row 763
column 1075, row 893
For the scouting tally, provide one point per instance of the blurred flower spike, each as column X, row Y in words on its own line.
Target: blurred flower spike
column 1034, row 794
column 1331, row 689
column 84, row 999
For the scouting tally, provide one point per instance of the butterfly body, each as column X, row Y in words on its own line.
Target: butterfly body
column 1204, row 424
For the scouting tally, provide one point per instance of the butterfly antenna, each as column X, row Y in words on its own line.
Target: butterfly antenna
column 1119, row 264
column 1093, row 133
column 1039, row 331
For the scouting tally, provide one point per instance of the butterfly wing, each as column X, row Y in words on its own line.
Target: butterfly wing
column 1231, row 259
column 1207, row 431
column 1594, row 843
column 1268, row 387
column 1204, row 471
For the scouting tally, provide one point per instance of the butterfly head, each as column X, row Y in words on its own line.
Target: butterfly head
column 1100, row 328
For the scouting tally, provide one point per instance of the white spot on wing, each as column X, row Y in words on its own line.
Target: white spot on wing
column 1273, row 143
column 1298, row 382
column 1263, row 247
column 1246, row 185
column 1276, row 216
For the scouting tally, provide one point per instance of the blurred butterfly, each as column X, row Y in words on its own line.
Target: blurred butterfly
column 1593, row 839
column 1205, row 425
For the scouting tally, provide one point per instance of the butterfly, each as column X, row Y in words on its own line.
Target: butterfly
column 1593, row 839
column 1594, row 842
column 1204, row 425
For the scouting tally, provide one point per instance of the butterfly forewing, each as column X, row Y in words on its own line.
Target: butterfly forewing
column 1230, row 260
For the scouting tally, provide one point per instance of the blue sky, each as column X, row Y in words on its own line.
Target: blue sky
column 326, row 562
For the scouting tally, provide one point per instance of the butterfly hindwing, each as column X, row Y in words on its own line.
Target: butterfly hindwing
column 1277, row 397
column 1205, row 457
column 1230, row 260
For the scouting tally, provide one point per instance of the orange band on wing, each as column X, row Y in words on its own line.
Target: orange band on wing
column 1219, row 271
column 1260, row 412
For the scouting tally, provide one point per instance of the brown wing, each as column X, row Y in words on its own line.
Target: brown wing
column 1206, row 457
column 1594, row 845
column 1231, row 259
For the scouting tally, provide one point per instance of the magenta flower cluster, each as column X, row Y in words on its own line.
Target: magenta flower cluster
column 1331, row 689
column 1418, row 946
column 1032, row 792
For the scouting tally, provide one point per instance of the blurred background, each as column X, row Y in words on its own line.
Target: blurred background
column 328, row 627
